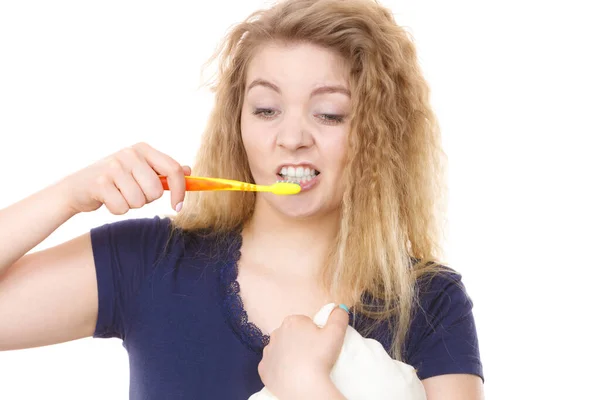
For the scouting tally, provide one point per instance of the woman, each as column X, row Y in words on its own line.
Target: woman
column 216, row 301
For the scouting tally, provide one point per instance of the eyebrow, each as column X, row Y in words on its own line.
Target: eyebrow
column 320, row 90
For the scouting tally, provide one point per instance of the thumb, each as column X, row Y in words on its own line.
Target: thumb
column 187, row 170
column 337, row 324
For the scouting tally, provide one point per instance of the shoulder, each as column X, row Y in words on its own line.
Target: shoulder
column 134, row 230
column 442, row 288
column 157, row 235
column 140, row 260
column 442, row 337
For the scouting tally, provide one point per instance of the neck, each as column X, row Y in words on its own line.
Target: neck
column 293, row 246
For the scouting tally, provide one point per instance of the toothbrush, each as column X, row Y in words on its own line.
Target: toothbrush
column 197, row 183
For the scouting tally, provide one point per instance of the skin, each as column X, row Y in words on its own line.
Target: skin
column 293, row 126
column 294, row 112
column 34, row 284
column 42, row 283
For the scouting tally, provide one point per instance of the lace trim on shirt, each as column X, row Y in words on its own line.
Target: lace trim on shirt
column 233, row 306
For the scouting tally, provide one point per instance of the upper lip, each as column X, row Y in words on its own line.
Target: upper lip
column 296, row 164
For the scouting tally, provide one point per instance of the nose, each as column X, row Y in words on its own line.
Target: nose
column 294, row 133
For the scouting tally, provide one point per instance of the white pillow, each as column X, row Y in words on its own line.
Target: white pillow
column 364, row 370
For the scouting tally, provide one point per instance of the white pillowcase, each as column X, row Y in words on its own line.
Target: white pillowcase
column 364, row 370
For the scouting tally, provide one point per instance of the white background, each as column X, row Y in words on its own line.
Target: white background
column 515, row 85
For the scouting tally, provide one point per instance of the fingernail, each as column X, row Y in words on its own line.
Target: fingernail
column 345, row 308
column 178, row 206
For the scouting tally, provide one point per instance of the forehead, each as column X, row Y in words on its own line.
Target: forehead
column 297, row 65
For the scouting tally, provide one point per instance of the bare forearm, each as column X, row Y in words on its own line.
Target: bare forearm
column 28, row 222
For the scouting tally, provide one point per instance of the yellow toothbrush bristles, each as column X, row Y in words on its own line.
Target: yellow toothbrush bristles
column 285, row 188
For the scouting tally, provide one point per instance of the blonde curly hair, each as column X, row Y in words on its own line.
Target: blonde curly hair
column 391, row 211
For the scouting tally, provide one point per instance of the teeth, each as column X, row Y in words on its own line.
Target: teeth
column 297, row 173
column 295, row 179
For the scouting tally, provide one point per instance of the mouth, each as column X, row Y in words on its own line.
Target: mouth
column 304, row 174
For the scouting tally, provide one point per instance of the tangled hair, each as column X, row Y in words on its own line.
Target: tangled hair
column 389, row 230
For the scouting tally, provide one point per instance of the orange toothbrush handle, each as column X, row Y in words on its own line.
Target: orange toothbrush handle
column 196, row 184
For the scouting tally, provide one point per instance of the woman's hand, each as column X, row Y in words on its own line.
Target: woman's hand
column 297, row 362
column 126, row 180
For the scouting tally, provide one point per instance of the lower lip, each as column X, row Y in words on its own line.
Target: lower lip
column 307, row 185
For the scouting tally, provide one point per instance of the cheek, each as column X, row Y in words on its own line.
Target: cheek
column 258, row 140
column 249, row 137
column 256, row 147
column 249, row 145
column 254, row 144
column 336, row 152
column 336, row 157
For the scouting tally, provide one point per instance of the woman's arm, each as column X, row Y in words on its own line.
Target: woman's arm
column 28, row 222
column 443, row 344
column 47, row 296
column 454, row 387
column 51, row 296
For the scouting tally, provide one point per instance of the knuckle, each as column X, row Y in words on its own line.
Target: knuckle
column 155, row 193
column 175, row 169
column 153, row 190
column 118, row 209
column 102, row 181
column 140, row 146
column 138, row 200
column 137, row 203
column 114, row 165
column 291, row 320
column 129, row 152
column 296, row 318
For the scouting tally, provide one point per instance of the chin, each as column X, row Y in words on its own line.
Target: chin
column 301, row 209
column 299, row 214
column 296, row 211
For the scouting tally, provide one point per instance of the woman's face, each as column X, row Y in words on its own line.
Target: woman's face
column 295, row 125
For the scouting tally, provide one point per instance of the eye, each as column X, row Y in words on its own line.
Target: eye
column 331, row 119
column 265, row 113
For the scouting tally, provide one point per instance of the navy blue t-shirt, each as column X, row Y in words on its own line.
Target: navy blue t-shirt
column 174, row 301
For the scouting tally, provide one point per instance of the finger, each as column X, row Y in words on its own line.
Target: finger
column 337, row 324
column 130, row 190
column 112, row 198
column 165, row 165
column 147, row 179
